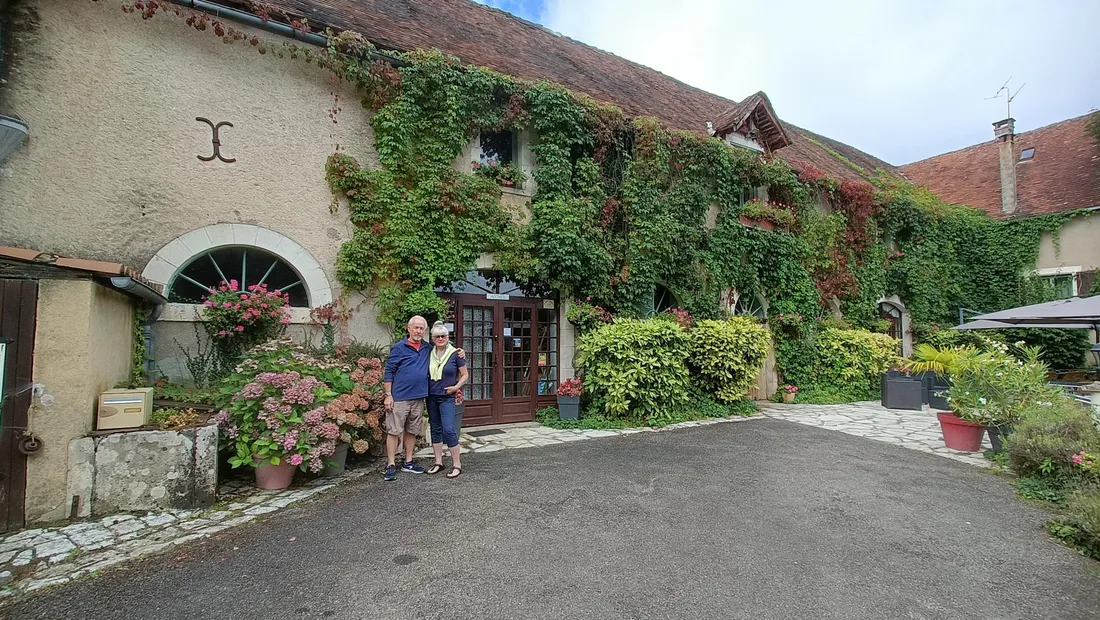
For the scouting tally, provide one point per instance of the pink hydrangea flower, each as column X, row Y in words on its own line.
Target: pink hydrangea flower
column 295, row 459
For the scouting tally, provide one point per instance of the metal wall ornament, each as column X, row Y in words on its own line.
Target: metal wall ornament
column 216, row 141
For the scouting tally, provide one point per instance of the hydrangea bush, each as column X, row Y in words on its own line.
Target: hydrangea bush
column 282, row 403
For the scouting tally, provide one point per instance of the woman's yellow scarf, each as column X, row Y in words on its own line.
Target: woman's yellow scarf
column 436, row 364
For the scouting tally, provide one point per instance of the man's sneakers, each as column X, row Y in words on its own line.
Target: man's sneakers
column 412, row 468
column 409, row 467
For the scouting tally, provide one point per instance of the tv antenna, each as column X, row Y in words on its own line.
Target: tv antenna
column 1006, row 92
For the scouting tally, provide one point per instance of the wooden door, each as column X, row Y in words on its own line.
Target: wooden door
column 18, row 306
column 502, row 340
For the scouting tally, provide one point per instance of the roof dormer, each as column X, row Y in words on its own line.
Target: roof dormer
column 752, row 124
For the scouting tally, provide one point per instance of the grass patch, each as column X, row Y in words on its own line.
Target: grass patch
column 827, row 395
column 701, row 409
column 1046, row 491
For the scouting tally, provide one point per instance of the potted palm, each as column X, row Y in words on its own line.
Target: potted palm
column 988, row 390
column 569, row 399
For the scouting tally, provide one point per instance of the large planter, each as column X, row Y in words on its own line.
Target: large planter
column 788, row 397
column 902, row 392
column 334, row 465
column 958, row 434
column 279, row 476
column 569, row 407
column 997, row 435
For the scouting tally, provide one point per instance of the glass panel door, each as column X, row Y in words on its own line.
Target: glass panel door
column 477, row 340
column 517, row 338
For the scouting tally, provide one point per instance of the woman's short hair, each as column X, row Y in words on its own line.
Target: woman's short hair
column 439, row 329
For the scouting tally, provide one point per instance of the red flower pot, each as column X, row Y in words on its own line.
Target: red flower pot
column 958, row 434
column 279, row 476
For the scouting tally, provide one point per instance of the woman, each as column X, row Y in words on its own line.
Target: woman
column 447, row 373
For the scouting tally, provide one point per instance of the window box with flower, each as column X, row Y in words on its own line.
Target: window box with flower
column 506, row 175
column 766, row 215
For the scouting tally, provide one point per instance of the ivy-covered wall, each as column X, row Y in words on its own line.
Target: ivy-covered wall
column 622, row 205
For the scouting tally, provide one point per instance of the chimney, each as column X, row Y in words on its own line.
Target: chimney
column 1002, row 132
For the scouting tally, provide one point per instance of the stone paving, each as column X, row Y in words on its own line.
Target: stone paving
column 916, row 430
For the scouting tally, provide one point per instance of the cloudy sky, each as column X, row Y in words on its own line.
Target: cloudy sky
column 900, row 79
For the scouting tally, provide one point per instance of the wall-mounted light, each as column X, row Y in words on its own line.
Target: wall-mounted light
column 12, row 133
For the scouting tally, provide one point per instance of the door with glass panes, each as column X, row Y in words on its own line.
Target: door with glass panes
column 512, row 355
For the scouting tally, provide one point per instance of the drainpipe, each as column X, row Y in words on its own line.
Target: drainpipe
column 146, row 294
column 270, row 26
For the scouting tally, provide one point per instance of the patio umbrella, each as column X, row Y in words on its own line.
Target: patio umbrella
column 1061, row 312
column 984, row 324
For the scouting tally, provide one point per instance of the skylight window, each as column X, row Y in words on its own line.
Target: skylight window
column 1027, row 154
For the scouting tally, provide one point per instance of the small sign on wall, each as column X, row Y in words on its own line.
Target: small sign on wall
column 496, row 296
column 548, row 304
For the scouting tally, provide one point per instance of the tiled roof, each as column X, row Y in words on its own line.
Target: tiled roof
column 484, row 36
column 1062, row 175
column 92, row 267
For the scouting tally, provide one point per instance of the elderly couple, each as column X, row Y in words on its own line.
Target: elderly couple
column 417, row 372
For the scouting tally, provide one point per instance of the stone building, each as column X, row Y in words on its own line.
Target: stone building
column 157, row 146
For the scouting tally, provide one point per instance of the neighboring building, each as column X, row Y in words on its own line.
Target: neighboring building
column 1053, row 169
column 157, row 146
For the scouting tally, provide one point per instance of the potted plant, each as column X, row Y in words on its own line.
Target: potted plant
column 789, row 392
column 989, row 390
column 569, row 399
column 285, row 411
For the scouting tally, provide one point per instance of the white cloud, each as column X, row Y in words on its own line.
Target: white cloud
column 900, row 80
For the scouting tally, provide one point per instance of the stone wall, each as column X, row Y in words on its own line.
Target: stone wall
column 144, row 470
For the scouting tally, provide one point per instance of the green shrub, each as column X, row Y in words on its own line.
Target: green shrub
column 1080, row 524
column 1047, row 437
column 635, row 366
column 829, row 395
column 726, row 356
column 853, row 360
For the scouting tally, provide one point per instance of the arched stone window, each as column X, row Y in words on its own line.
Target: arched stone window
column 191, row 263
column 748, row 303
column 892, row 314
column 663, row 299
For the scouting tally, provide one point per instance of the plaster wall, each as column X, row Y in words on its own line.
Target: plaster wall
column 111, row 168
column 1079, row 245
column 83, row 346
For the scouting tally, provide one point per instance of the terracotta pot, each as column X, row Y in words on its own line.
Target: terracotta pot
column 279, row 476
column 958, row 434
column 788, row 397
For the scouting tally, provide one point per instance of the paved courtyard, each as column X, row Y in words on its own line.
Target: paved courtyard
column 45, row 557
column 761, row 519
column 916, row 430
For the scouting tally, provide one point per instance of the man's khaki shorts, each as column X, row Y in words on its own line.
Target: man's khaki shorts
column 405, row 417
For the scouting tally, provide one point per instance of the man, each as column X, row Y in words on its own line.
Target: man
column 406, row 386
